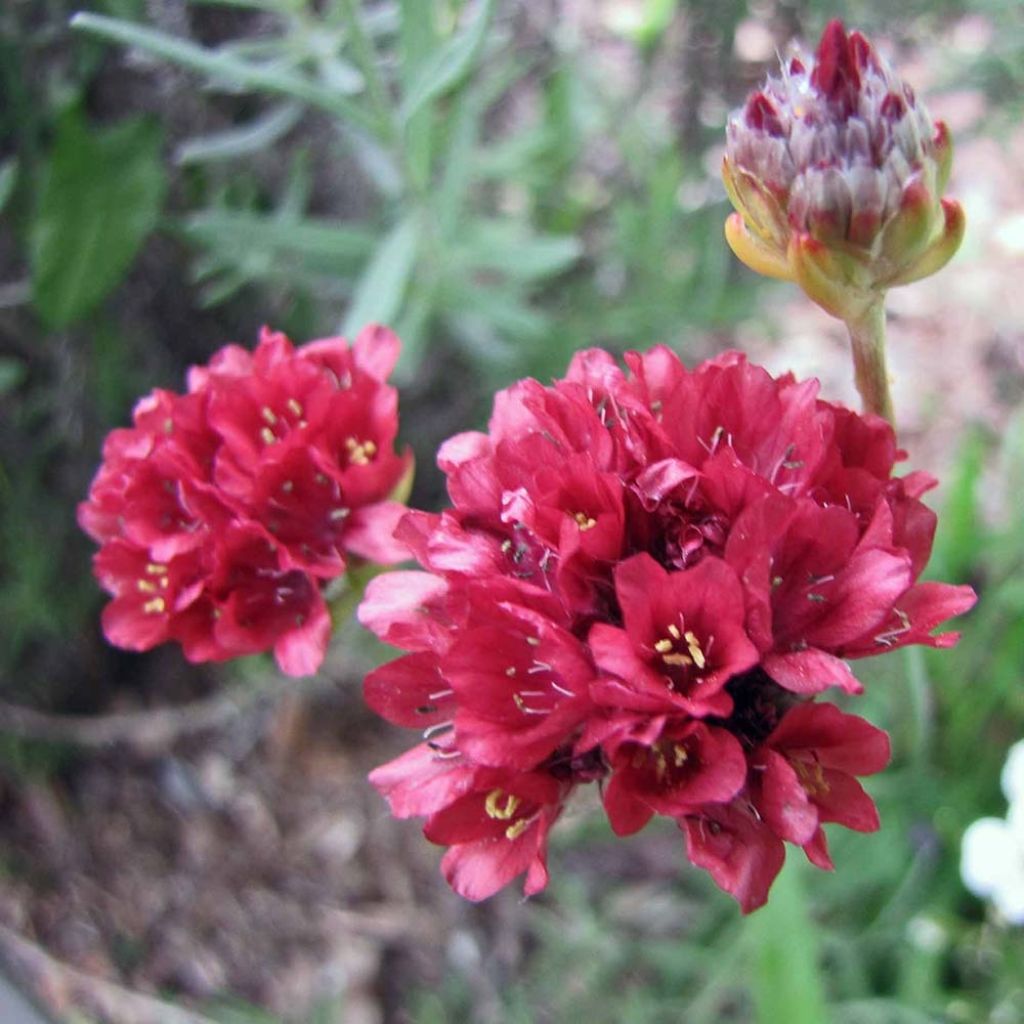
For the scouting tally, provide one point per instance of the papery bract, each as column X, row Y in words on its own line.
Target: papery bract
column 837, row 171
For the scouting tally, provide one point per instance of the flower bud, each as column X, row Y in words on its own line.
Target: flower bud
column 837, row 172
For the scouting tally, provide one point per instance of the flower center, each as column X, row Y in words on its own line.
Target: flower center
column 668, row 648
column 584, row 522
column 359, row 452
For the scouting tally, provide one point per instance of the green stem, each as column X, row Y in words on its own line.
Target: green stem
column 867, row 337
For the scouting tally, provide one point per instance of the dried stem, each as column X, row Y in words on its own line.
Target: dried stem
column 68, row 994
column 161, row 727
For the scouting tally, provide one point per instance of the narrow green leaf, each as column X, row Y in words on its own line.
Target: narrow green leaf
column 332, row 248
column 101, row 196
column 381, row 289
column 259, row 134
column 12, row 373
column 8, row 177
column 508, row 248
column 417, row 41
column 787, row 982
column 449, row 64
column 225, row 66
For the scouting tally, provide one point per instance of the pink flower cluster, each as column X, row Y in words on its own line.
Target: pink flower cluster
column 222, row 512
column 645, row 580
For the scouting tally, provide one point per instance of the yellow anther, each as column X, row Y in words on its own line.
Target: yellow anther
column 676, row 659
column 681, row 756
column 660, row 764
column 338, row 513
column 533, row 641
column 168, row 426
column 693, row 645
column 320, row 478
column 360, row 452
column 156, row 569
column 517, row 828
column 268, row 415
column 673, row 631
column 584, row 522
column 518, row 701
column 663, row 646
column 268, row 436
column 812, row 778
column 510, row 671
column 294, row 407
column 494, row 808
column 146, row 587
column 155, row 607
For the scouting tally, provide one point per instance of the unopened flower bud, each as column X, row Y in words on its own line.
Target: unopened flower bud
column 837, row 172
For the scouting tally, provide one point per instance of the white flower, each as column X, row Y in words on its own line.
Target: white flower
column 1013, row 774
column 992, row 850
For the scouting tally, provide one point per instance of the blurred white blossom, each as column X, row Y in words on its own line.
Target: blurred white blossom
column 1013, row 774
column 992, row 850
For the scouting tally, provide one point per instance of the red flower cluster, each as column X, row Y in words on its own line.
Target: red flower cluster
column 222, row 511
column 645, row 579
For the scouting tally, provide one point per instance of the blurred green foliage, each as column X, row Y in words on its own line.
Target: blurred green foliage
column 472, row 178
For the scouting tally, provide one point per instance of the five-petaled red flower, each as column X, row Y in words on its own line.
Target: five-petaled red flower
column 645, row 580
column 221, row 512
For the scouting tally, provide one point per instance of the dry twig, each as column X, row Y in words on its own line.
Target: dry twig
column 158, row 728
column 68, row 993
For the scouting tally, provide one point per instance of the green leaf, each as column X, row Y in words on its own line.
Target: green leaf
column 101, row 196
column 417, row 41
column 508, row 248
column 8, row 177
column 956, row 541
column 381, row 289
column 12, row 373
column 259, row 134
column 330, row 246
column 225, row 66
column 448, row 65
column 787, row 981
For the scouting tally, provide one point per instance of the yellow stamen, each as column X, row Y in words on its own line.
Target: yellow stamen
column 493, row 808
column 267, row 436
column 146, row 587
column 294, row 407
column 584, row 522
column 360, row 452
column 676, row 659
column 681, row 756
column 663, row 646
column 268, row 415
column 155, row 569
column 155, row 607
column 673, row 631
column 812, row 778
column 693, row 644
column 517, row 828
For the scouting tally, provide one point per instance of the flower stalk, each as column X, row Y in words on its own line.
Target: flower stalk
column 867, row 341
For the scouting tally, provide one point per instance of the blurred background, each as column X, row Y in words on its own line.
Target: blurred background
column 503, row 181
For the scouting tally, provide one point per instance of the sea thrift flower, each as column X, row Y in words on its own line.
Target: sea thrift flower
column 837, row 173
column 644, row 580
column 221, row 513
column 992, row 851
